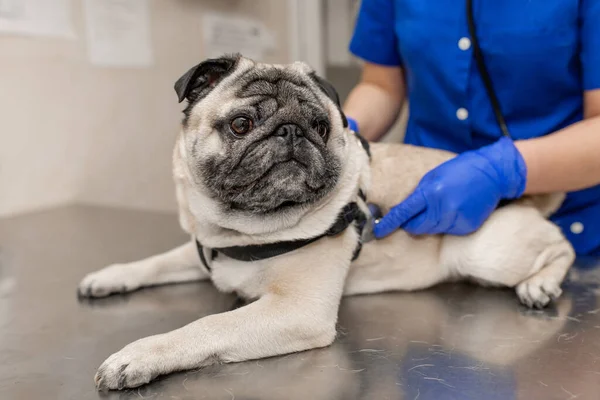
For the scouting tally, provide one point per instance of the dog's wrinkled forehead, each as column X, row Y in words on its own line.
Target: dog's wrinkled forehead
column 273, row 90
column 274, row 84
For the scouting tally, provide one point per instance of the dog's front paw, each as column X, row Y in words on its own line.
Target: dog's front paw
column 538, row 291
column 117, row 278
column 136, row 364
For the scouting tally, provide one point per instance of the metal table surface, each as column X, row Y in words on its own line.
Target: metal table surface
column 453, row 342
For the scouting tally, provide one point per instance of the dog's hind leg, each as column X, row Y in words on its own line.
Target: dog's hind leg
column 181, row 264
column 516, row 248
column 553, row 263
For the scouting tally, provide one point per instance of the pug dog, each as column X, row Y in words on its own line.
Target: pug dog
column 273, row 189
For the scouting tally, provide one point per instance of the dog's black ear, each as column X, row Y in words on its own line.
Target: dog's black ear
column 327, row 88
column 201, row 79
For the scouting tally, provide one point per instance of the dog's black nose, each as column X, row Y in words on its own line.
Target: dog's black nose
column 290, row 131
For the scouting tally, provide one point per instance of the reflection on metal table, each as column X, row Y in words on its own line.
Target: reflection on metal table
column 455, row 341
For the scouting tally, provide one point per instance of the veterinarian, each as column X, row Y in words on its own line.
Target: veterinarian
column 543, row 59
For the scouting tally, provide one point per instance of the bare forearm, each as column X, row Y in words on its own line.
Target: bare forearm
column 374, row 110
column 566, row 160
column 376, row 101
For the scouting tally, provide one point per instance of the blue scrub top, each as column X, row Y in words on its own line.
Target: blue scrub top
column 542, row 55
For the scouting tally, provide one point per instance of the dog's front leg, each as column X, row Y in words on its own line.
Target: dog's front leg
column 297, row 312
column 181, row 264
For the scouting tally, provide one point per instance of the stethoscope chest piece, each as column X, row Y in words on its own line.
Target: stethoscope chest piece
column 373, row 219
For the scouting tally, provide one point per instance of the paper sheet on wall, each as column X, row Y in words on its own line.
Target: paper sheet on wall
column 118, row 33
column 37, row 18
column 224, row 33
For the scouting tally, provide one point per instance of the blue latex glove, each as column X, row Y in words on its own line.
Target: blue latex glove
column 352, row 124
column 457, row 197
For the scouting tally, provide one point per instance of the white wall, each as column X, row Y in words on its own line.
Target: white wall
column 71, row 132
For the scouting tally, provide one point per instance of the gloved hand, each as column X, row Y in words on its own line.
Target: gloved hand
column 458, row 196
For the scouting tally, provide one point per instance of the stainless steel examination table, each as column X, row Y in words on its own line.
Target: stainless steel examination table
column 452, row 342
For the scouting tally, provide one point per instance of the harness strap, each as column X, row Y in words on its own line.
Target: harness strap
column 349, row 214
column 200, row 249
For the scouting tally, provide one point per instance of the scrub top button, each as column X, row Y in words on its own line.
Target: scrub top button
column 577, row 228
column 462, row 114
column 464, row 43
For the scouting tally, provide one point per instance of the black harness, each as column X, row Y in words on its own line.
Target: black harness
column 351, row 213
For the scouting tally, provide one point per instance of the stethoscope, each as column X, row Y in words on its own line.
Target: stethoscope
column 485, row 76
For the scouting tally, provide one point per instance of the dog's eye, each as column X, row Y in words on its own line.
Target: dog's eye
column 241, row 125
column 322, row 128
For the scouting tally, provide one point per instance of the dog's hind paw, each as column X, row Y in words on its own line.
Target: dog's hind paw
column 538, row 291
